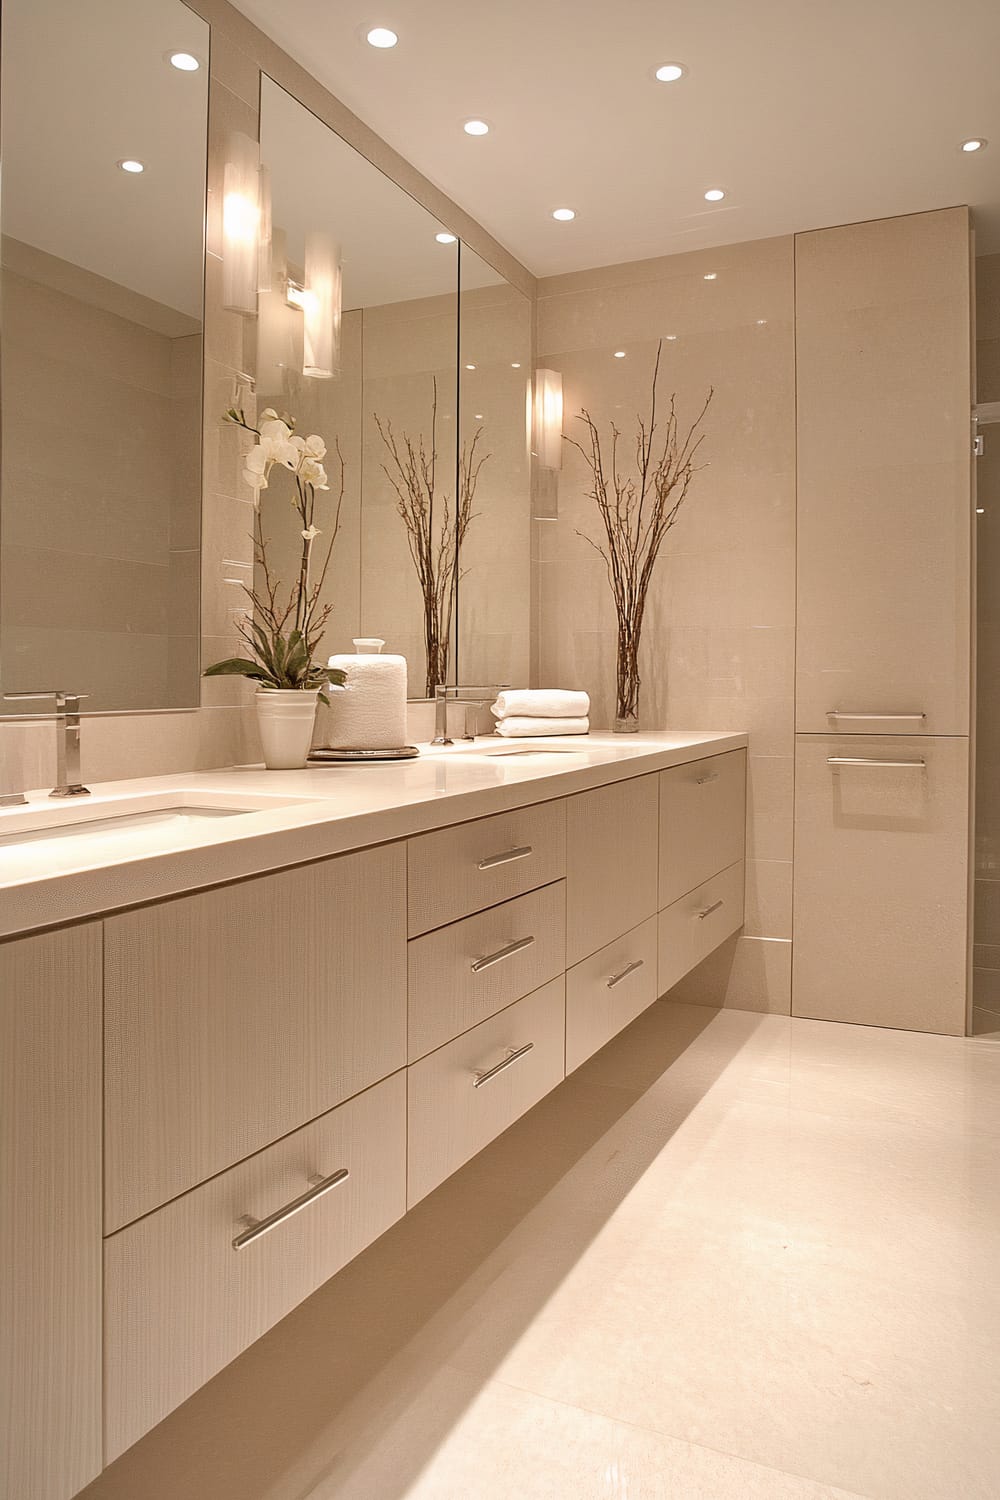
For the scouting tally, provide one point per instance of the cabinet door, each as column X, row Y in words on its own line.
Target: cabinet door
column 608, row 990
column 50, row 1213
column 236, row 1015
column 881, row 882
column 611, row 863
column 884, row 483
column 702, row 821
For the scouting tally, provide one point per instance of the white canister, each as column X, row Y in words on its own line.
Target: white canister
column 369, row 711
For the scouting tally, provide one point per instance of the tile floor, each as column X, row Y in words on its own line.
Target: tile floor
column 735, row 1257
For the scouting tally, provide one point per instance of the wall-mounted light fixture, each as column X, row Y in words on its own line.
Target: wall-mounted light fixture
column 546, row 444
column 241, row 224
column 322, row 306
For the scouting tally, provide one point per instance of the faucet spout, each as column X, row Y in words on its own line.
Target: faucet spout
column 68, row 783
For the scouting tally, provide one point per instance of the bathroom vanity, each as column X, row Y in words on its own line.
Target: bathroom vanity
column 272, row 1033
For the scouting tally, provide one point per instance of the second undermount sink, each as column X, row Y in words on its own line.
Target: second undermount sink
column 128, row 815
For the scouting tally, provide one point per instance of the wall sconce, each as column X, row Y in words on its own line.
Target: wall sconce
column 322, row 306
column 547, row 440
column 241, row 224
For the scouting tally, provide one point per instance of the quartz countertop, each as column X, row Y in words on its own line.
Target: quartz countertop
column 336, row 808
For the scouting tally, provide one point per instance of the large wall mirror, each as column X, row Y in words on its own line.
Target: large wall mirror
column 422, row 394
column 102, row 216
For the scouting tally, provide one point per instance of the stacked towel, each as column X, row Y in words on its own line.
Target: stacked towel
column 525, row 713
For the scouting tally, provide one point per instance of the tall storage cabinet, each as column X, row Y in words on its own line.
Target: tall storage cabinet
column 884, row 621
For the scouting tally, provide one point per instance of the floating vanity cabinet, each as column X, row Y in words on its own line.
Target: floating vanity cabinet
column 236, row 1015
column 611, row 863
column 883, row 396
column 193, row 1284
column 50, row 1213
column 881, row 881
column 605, row 992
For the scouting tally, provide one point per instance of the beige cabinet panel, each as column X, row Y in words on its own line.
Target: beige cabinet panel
column 454, row 1110
column 50, row 1214
column 182, row 1302
column 884, row 476
column 459, row 870
column 612, row 855
column 881, row 882
column 608, row 990
column 694, row 926
column 702, row 821
column 461, row 974
column 235, row 1015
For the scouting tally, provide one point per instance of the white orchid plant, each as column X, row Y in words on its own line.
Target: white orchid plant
column 283, row 633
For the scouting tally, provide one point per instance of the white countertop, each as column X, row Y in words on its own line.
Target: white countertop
column 341, row 807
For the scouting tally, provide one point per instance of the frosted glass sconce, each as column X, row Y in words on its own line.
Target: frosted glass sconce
column 321, row 306
column 241, row 224
column 548, row 418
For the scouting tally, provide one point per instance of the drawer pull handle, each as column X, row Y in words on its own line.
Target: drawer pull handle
column 513, row 1053
column 256, row 1227
column 863, row 760
column 506, row 858
column 704, row 780
column 833, row 713
column 501, row 953
column 708, row 910
column 629, row 969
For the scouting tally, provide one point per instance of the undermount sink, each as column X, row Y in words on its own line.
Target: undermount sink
column 120, row 817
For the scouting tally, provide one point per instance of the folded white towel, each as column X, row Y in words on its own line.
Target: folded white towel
column 523, row 727
column 541, row 703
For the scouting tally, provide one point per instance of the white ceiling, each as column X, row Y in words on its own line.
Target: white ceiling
column 807, row 113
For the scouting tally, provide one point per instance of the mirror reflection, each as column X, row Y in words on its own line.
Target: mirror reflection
column 102, row 220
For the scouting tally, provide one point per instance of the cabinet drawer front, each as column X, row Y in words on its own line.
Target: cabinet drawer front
column 460, row 975
column 181, row 1302
column 464, row 869
column 691, row 928
column 611, row 859
column 455, row 1109
column 608, row 990
column 702, row 821
column 236, row 1015
column 881, row 882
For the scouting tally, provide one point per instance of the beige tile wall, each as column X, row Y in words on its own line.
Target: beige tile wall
column 718, row 645
column 986, row 953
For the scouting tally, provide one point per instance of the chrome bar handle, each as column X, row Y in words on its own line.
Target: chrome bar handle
column 864, row 760
column 513, row 1054
column 704, row 780
column 256, row 1227
column 629, row 969
column 506, row 858
column 708, row 910
column 502, row 953
column 835, row 713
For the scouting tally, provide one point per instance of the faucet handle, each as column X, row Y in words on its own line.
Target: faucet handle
column 65, row 702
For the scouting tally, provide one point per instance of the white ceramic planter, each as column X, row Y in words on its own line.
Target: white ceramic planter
column 285, row 719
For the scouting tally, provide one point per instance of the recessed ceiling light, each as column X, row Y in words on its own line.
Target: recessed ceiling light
column 129, row 165
column 977, row 143
column 564, row 214
column 761, row 322
column 670, row 72
column 671, row 338
column 476, row 127
column 515, row 367
column 381, row 36
column 478, row 416
column 619, row 354
column 710, row 275
column 185, row 62
column 980, row 510
column 714, row 195
column 470, row 367
column 444, row 238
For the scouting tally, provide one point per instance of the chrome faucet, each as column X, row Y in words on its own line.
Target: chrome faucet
column 484, row 694
column 68, row 782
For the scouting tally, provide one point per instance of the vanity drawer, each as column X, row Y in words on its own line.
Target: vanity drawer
column 236, row 1015
column 691, row 928
column 467, row 1093
column 608, row 990
column 181, row 1302
column 611, row 856
column 463, row 973
column 463, row 869
column 702, row 821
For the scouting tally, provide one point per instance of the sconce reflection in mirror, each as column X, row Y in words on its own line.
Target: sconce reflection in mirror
column 241, row 224
column 546, row 444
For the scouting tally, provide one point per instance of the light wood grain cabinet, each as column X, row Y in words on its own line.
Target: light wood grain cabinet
column 693, row 927
column 702, row 821
column 50, row 1213
column 611, row 863
column 235, row 1015
column 608, row 990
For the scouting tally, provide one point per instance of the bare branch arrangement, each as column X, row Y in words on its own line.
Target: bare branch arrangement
column 435, row 529
column 637, row 510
